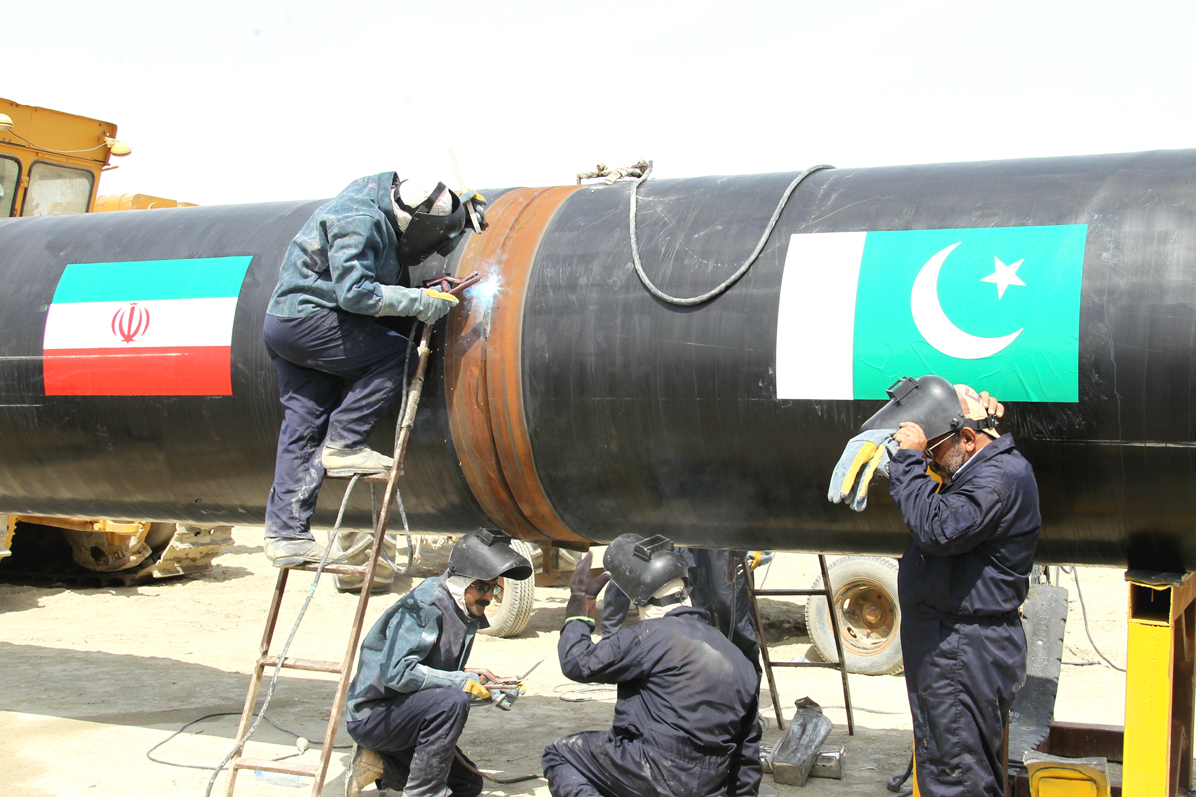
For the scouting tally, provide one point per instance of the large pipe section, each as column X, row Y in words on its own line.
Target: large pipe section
column 572, row 406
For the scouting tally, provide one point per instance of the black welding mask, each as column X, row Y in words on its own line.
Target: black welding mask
column 487, row 554
column 641, row 566
column 428, row 232
column 931, row 402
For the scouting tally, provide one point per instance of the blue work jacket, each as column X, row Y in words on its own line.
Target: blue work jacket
column 393, row 651
column 973, row 541
column 344, row 256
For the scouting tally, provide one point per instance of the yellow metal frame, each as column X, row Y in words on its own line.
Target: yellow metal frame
column 1159, row 685
column 64, row 139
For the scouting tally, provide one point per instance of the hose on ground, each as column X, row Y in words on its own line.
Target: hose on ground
column 743, row 269
column 491, row 778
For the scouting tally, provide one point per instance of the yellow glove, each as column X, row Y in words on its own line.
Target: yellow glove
column 477, row 690
column 865, row 454
column 871, row 469
column 448, row 297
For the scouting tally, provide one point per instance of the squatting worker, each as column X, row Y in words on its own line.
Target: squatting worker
column 410, row 696
column 718, row 584
column 961, row 580
column 685, row 721
column 343, row 277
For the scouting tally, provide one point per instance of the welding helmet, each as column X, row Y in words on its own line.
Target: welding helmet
column 640, row 567
column 435, row 221
column 487, row 554
column 931, row 402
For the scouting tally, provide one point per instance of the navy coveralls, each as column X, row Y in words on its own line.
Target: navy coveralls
column 960, row 584
column 718, row 583
column 407, row 700
column 685, row 721
column 328, row 325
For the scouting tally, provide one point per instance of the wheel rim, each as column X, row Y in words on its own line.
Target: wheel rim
column 867, row 617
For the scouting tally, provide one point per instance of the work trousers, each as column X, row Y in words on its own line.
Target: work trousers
column 417, row 736
column 315, row 356
column 961, row 679
column 604, row 764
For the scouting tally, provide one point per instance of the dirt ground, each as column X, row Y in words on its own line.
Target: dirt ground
column 95, row 677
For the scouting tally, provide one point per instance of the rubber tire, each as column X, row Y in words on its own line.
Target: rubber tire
column 849, row 568
column 518, row 600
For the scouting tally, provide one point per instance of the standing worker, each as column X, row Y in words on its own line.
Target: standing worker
column 410, row 697
column 962, row 578
column 718, row 584
column 344, row 272
column 685, row 721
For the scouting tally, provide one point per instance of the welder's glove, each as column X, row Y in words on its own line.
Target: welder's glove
column 864, row 455
column 425, row 304
column 475, row 688
column 583, row 591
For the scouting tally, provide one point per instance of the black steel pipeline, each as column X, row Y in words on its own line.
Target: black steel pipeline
column 574, row 405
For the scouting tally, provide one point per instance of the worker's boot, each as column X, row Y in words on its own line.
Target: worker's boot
column 365, row 769
column 338, row 462
column 290, row 553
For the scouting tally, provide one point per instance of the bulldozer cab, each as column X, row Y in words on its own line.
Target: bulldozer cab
column 50, row 161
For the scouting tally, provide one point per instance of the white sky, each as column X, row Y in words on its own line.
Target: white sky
column 252, row 101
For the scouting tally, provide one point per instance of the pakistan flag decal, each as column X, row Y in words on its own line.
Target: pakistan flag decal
column 995, row 307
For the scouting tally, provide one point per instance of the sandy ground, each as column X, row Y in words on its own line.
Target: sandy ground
column 94, row 677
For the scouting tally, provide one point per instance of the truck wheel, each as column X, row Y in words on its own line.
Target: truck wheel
column 865, row 590
column 510, row 614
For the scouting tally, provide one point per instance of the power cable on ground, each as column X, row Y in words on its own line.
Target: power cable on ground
column 743, row 269
column 1075, row 574
column 150, row 752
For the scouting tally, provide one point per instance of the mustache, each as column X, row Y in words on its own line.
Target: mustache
column 481, row 602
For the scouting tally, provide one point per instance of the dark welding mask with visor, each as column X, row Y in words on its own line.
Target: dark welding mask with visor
column 931, row 402
column 640, row 567
column 487, row 554
column 429, row 232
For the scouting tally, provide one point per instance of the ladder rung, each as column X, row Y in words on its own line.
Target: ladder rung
column 309, row 665
column 789, row 592
column 338, row 570
column 303, row 770
column 377, row 478
column 834, row 665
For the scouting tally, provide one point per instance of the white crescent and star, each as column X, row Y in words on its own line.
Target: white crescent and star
column 933, row 323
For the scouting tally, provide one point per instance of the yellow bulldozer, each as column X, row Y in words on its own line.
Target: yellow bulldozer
column 51, row 163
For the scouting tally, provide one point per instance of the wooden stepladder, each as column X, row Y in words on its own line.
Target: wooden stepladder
column 343, row 668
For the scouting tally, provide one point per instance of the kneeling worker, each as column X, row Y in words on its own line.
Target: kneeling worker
column 685, row 721
column 410, row 697
column 961, row 580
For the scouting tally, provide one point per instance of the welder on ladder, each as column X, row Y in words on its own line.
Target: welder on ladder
column 344, row 276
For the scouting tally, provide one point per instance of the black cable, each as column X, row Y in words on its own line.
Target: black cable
column 484, row 776
column 1075, row 574
column 897, row 781
column 743, row 269
column 150, row 756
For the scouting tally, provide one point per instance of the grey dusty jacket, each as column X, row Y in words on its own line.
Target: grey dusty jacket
column 393, row 651
column 346, row 257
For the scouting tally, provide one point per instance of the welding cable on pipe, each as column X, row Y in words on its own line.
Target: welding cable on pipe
column 739, row 272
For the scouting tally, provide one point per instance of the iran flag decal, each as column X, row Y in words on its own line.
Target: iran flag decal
column 147, row 328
